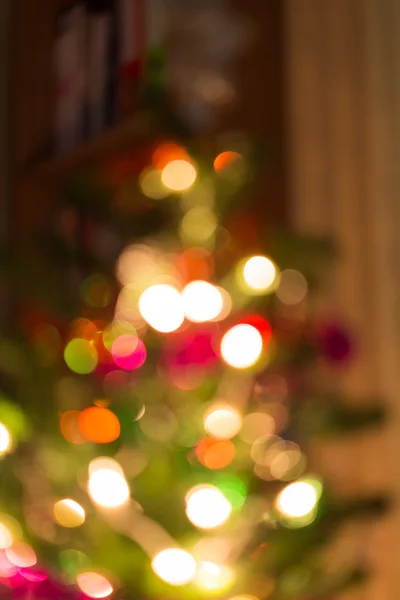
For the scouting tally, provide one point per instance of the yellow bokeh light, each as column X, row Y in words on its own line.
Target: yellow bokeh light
column 6, row 537
column 5, row 439
column 178, row 175
column 260, row 273
column 94, row 585
column 222, row 422
column 69, row 513
column 21, row 555
column 202, row 301
column 161, row 307
column 108, row 488
column 256, row 425
column 212, row 577
column 106, row 464
column 241, row 346
column 198, row 226
column 297, row 499
column 175, row 566
column 151, row 184
column 207, row 507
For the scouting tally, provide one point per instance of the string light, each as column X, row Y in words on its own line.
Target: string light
column 174, row 566
column 108, row 487
column 207, row 507
column 178, row 175
column 69, row 513
column 202, row 301
column 94, row 585
column 260, row 273
column 241, row 346
column 161, row 307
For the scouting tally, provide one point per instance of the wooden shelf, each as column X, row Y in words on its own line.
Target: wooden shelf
column 131, row 134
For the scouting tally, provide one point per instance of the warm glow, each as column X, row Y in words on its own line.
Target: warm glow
column 212, row 577
column 198, row 226
column 202, row 301
column 108, row 488
column 162, row 307
column 151, row 184
column 297, row 499
column 178, row 175
column 175, row 566
column 241, row 346
column 222, row 422
column 5, row 439
column 292, row 287
column 21, row 555
column 256, row 425
column 94, row 585
column 69, row 513
column 207, row 507
column 6, row 537
column 218, row 455
column 260, row 273
column 99, row 425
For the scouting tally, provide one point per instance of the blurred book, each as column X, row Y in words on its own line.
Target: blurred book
column 70, row 67
column 101, row 59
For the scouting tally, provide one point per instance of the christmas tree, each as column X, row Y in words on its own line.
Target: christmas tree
column 164, row 377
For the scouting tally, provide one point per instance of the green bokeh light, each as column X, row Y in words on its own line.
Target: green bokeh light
column 81, row 356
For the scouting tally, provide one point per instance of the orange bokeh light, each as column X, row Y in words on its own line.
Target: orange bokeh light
column 69, row 427
column 166, row 152
column 226, row 159
column 99, row 425
column 215, row 454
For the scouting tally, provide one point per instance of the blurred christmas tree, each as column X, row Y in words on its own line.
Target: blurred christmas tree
column 162, row 388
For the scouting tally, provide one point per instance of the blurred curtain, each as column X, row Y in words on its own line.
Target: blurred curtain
column 343, row 106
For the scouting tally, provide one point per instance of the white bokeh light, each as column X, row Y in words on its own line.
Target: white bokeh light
column 207, row 507
column 297, row 499
column 211, row 576
column 241, row 346
column 260, row 273
column 5, row 439
column 161, row 307
column 202, row 301
column 108, row 488
column 178, row 175
column 175, row 566
column 222, row 421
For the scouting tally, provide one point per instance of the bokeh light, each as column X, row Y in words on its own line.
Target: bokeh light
column 81, row 356
column 129, row 352
column 198, row 226
column 6, row 537
column 105, row 463
column 207, row 507
column 69, row 427
column 161, row 307
column 174, row 566
column 222, row 421
column 231, row 166
column 202, row 301
column 94, row 585
column 69, row 513
column 297, row 499
column 99, row 425
column 211, row 576
column 241, row 346
column 260, row 274
column 292, row 287
column 108, row 488
column 194, row 264
column 178, row 175
column 151, row 184
column 5, row 439
column 138, row 266
column 166, row 152
column 256, row 425
column 21, row 555
column 96, row 291
column 216, row 454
